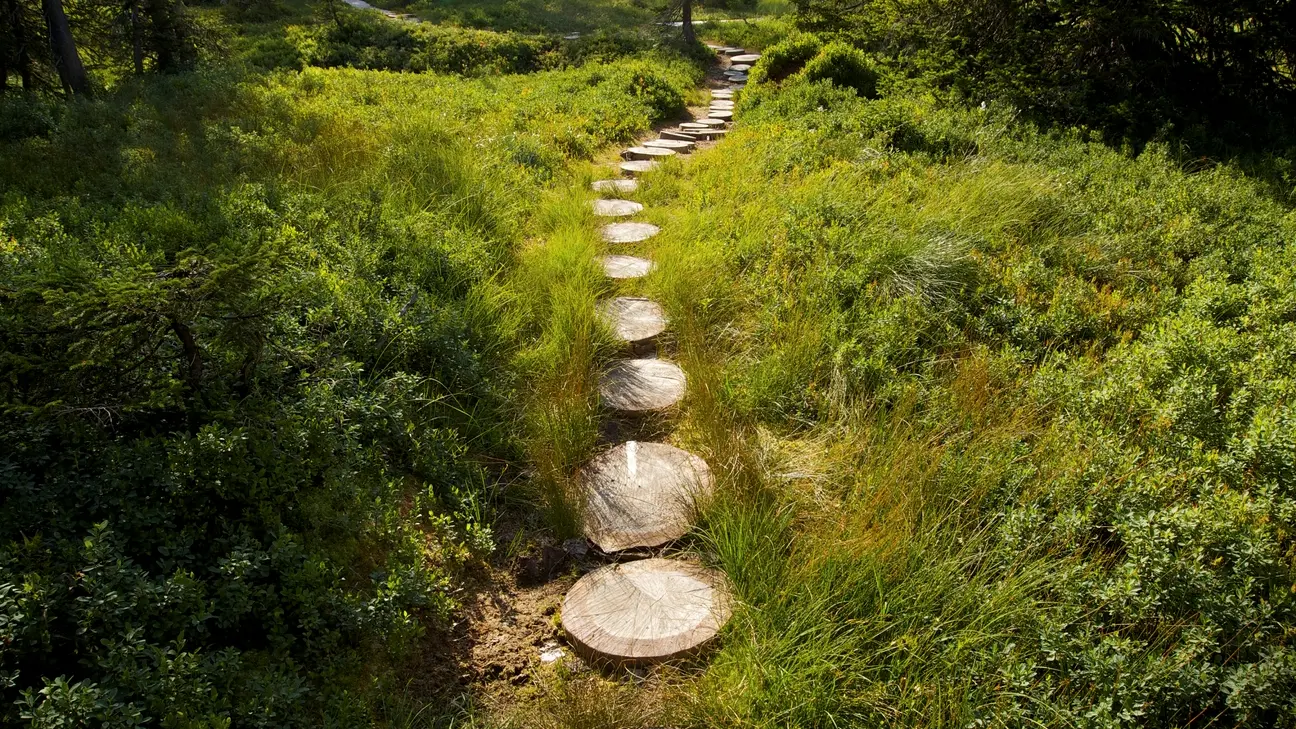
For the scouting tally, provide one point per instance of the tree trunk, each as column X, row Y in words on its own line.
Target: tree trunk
column 18, row 34
column 164, row 35
column 66, row 57
column 688, row 23
column 137, row 37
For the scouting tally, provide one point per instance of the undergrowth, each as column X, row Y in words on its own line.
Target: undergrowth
column 1001, row 419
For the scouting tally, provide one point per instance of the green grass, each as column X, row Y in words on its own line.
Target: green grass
column 349, row 254
column 972, row 392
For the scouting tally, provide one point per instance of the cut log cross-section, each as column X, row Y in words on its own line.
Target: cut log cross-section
column 642, row 385
column 629, row 232
column 638, row 167
column 645, row 612
column 634, row 320
column 615, row 208
column 642, row 494
column 626, row 266
column 621, row 186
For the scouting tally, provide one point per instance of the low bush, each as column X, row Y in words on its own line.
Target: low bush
column 785, row 58
column 255, row 390
column 845, row 66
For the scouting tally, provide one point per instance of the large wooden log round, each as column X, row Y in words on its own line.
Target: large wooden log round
column 642, row 385
column 712, row 133
column 647, row 153
column 722, row 93
column 745, row 58
column 680, row 135
column 738, row 78
column 645, row 612
column 626, row 266
column 633, row 319
column 709, row 122
column 731, row 50
column 642, row 495
column 740, row 67
column 629, row 232
column 722, row 104
column 617, row 186
column 679, row 145
column 722, row 114
column 615, row 208
column 638, row 167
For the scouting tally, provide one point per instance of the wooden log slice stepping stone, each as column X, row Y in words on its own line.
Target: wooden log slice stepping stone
column 679, row 145
column 640, row 385
column 722, row 104
column 740, row 67
column 694, row 127
column 615, row 185
column 629, row 232
column 710, row 123
column 572, row 36
column 680, row 135
column 615, row 208
column 633, row 319
column 745, row 58
column 721, row 93
column 626, row 266
column 638, row 166
column 647, row 153
column 738, row 78
column 642, row 495
column 644, row 612
column 722, row 114
column 730, row 50
column 712, row 133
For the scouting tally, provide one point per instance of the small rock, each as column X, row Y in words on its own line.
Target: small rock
column 537, row 569
column 576, row 547
column 551, row 652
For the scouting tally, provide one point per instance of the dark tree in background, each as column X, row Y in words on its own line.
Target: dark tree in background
column 48, row 44
column 66, row 57
column 1128, row 67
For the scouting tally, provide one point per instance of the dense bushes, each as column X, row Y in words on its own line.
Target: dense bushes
column 803, row 56
column 370, row 41
column 1209, row 71
column 785, row 58
column 251, row 360
column 1021, row 410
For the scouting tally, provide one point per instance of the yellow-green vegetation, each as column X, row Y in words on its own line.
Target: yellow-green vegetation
column 1001, row 414
column 1002, row 418
column 259, row 374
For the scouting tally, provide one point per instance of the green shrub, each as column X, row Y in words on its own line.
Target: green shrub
column 785, row 58
column 845, row 66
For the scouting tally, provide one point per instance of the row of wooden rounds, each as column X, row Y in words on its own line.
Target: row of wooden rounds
column 641, row 495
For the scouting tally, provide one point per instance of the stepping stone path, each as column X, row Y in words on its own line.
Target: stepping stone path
column 674, row 135
column 615, row 185
column 642, row 385
column 622, row 267
column 638, row 166
column 644, row 612
column 633, row 319
column 615, row 208
column 641, row 495
column 679, row 145
column 647, row 153
column 629, row 232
